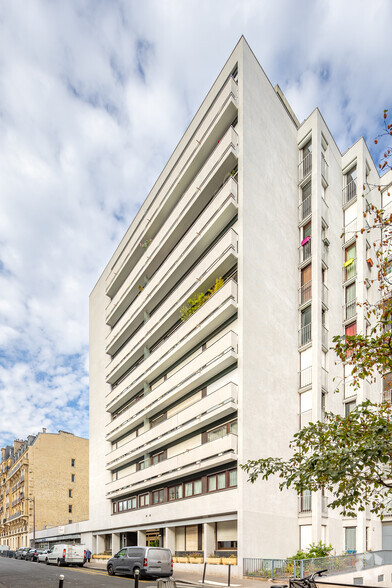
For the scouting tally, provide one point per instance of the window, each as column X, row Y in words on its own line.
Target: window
column 232, row 478
column 72, row 477
column 72, row 462
column 350, row 539
column 350, row 306
column 132, row 503
column 157, row 458
column 351, row 330
column 193, row 488
column 144, row 500
column 222, row 431
column 306, row 159
column 349, row 406
column 175, row 492
column 306, row 284
column 70, row 493
column 306, row 326
column 158, row 496
column 114, row 507
column 217, row 482
column 70, row 521
column 70, row 508
column 351, row 184
column 350, row 263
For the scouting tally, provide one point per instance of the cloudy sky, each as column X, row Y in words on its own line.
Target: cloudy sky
column 94, row 96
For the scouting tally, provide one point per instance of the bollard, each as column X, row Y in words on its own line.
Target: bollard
column 204, row 572
column 228, row 575
column 136, row 577
column 61, row 581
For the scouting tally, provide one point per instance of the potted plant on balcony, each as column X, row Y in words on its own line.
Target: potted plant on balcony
column 232, row 559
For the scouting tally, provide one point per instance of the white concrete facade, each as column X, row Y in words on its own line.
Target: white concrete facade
column 176, row 405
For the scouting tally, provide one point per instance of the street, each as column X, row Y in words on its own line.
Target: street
column 16, row 573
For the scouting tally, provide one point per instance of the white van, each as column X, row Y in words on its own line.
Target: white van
column 64, row 554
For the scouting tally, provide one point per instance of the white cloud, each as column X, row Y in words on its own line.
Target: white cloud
column 94, row 96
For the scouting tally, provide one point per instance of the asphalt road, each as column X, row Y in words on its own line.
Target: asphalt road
column 16, row 573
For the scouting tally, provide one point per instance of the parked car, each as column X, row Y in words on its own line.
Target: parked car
column 65, row 554
column 43, row 555
column 30, row 554
column 148, row 561
column 21, row 552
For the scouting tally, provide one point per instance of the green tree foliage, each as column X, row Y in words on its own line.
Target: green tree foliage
column 198, row 300
column 351, row 456
column 314, row 550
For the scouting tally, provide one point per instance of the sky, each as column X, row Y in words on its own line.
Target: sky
column 94, row 96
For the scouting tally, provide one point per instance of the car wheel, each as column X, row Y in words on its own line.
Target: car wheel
column 47, row 561
column 111, row 571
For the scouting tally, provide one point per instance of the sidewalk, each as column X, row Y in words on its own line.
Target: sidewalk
column 195, row 578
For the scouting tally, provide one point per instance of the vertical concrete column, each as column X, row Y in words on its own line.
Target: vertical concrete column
column 170, row 539
column 209, row 539
column 100, row 544
column 141, row 538
column 115, row 543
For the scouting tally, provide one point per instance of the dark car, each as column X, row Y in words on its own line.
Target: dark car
column 30, row 554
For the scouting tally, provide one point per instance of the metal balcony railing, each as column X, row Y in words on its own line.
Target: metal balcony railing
column 350, row 271
column 305, row 167
column 324, row 294
column 305, row 292
column 305, row 208
column 349, row 230
column 350, row 309
column 305, row 502
column 324, row 337
column 324, row 210
column 305, row 251
column 349, row 191
column 305, row 377
column 324, row 378
column 305, row 334
column 324, row 168
column 324, row 254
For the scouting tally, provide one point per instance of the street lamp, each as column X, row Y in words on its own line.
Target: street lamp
column 33, row 501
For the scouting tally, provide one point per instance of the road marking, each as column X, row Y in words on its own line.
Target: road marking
column 104, row 573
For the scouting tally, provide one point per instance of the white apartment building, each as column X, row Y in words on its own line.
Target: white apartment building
column 254, row 202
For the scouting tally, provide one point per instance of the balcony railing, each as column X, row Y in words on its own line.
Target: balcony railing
column 305, row 251
column 324, row 504
column 305, row 167
column 305, row 292
column 350, row 271
column 324, row 294
column 324, row 210
column 349, row 191
column 305, row 377
column 350, row 309
column 324, row 336
column 305, row 334
column 324, row 254
column 324, row 168
column 305, row 208
column 305, row 502
column 349, row 230
column 324, row 378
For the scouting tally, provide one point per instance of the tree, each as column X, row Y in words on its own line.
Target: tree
column 351, row 456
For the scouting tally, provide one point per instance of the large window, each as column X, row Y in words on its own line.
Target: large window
column 217, row 482
column 223, row 430
column 144, row 500
column 306, row 205
column 158, row 496
column 350, row 302
column 306, row 326
column 351, row 184
column 192, row 488
column 306, row 159
column 175, row 492
column 350, row 539
column 306, row 284
column 350, row 263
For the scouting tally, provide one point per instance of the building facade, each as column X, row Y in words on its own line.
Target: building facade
column 44, row 482
column 211, row 329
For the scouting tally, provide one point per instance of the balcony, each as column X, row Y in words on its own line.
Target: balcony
column 324, row 169
column 324, row 254
column 182, row 257
column 350, row 230
column 178, row 341
column 305, row 377
column 324, row 295
column 185, row 176
column 350, row 310
column 349, row 389
column 188, row 376
column 324, row 379
column 350, row 271
column 15, row 516
column 305, row 293
column 324, row 211
column 197, row 459
column 349, row 192
column 305, row 251
column 305, row 335
column 208, row 410
column 305, row 502
column 324, row 337
column 305, row 208
column 305, row 167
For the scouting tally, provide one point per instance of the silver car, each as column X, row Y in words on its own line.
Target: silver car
column 149, row 561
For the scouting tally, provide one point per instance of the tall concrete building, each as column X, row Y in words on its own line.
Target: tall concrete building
column 211, row 329
column 43, row 483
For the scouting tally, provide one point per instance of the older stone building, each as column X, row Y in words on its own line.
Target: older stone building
column 43, row 483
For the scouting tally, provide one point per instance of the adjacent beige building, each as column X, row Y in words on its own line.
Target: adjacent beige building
column 43, row 483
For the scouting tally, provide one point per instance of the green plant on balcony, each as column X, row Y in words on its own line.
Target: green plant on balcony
column 198, row 299
column 145, row 244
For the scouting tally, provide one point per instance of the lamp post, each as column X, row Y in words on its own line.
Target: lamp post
column 33, row 501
